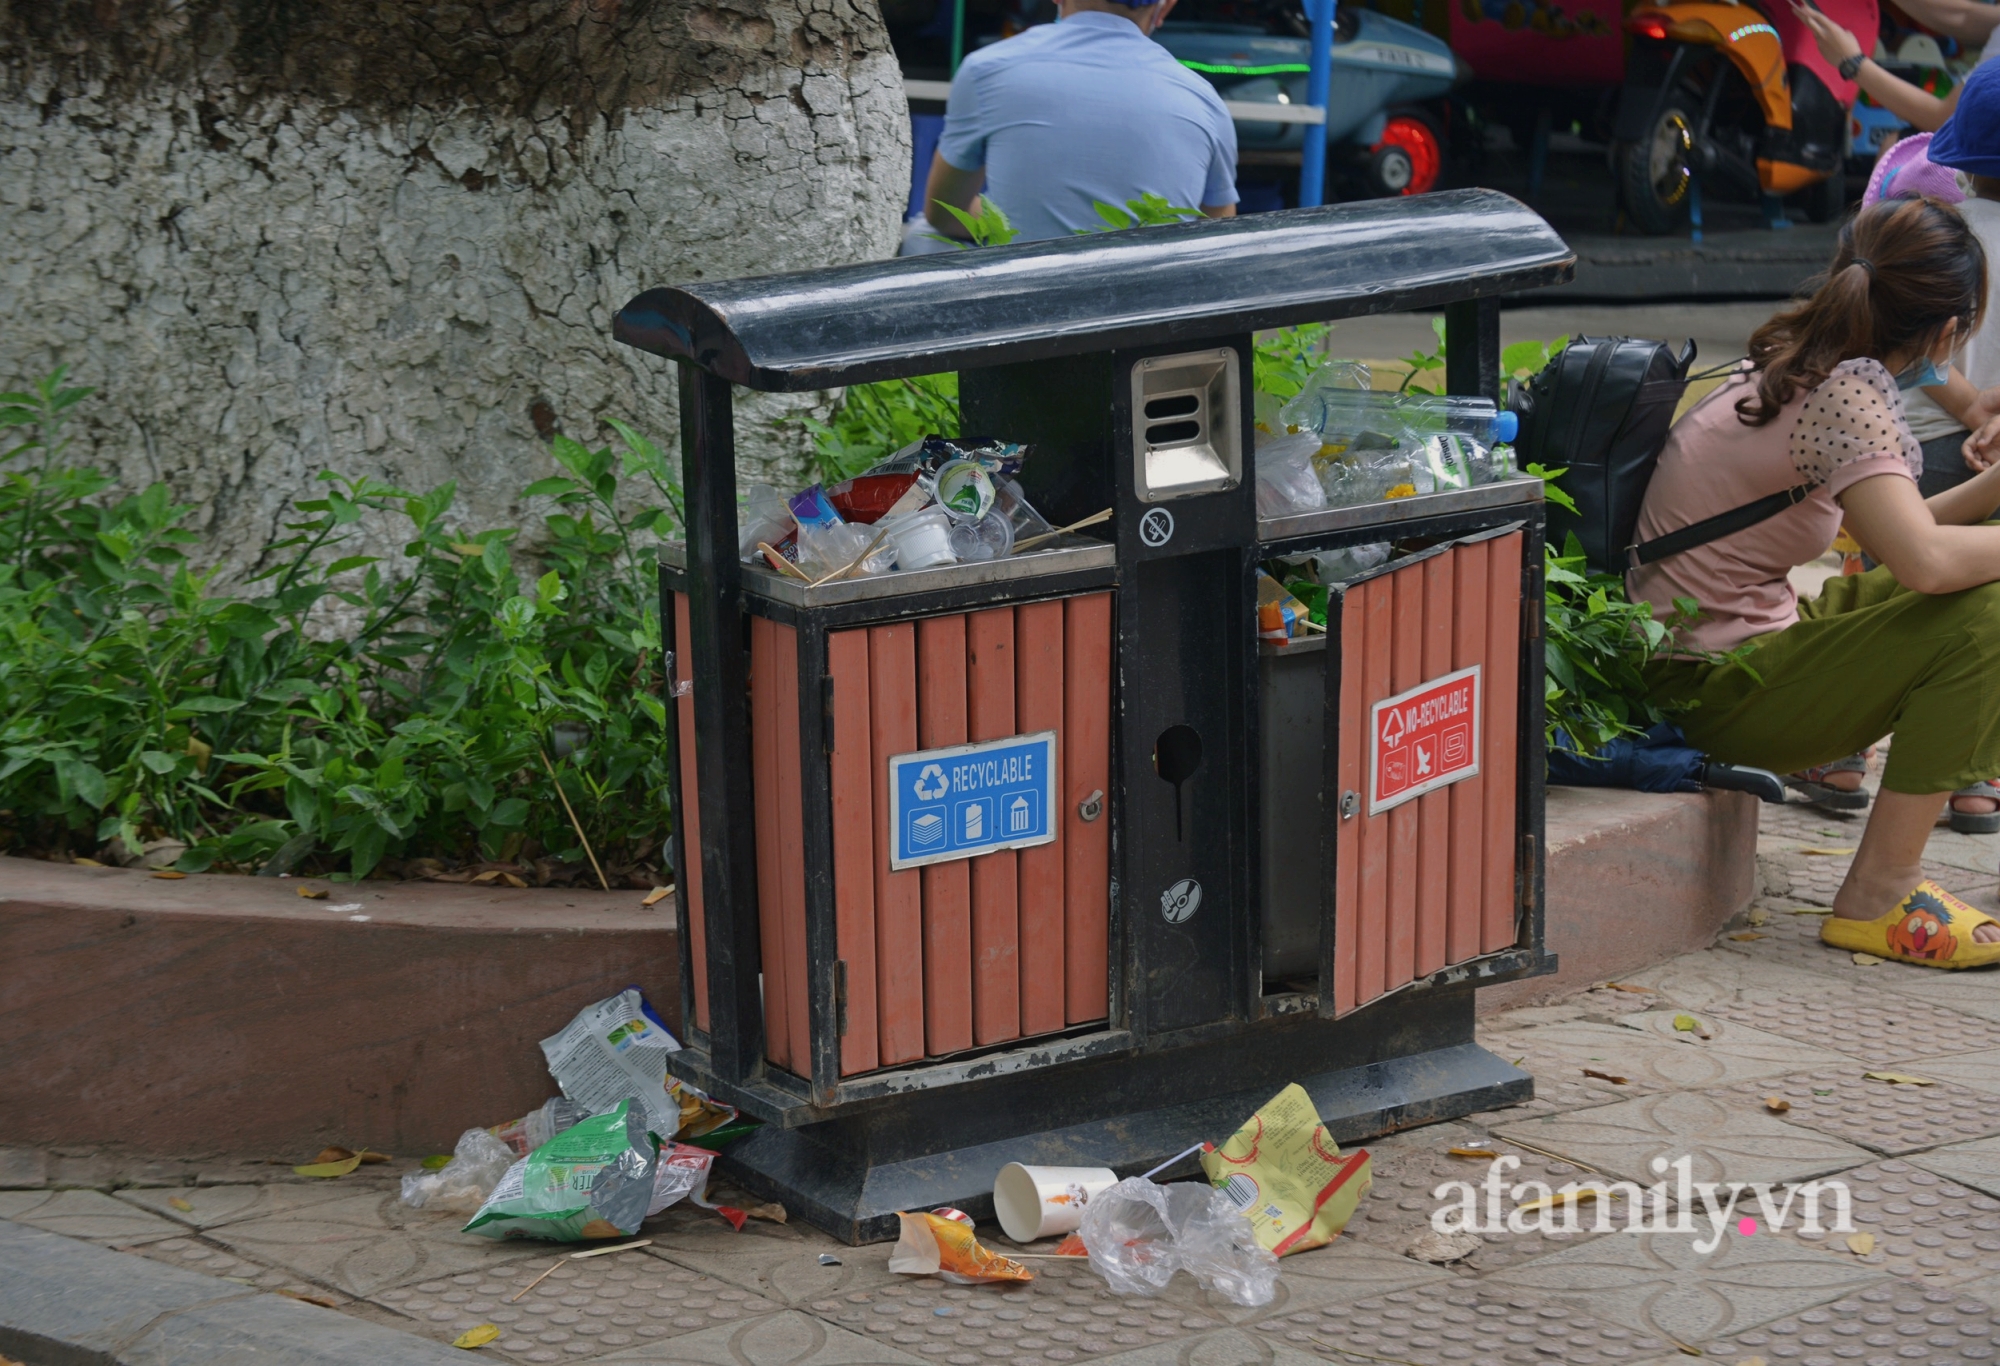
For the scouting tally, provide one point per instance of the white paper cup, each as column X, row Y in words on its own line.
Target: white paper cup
column 1040, row 1202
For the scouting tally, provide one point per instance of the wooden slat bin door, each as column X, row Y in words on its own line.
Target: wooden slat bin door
column 1428, row 881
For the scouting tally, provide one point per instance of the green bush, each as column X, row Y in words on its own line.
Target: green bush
column 448, row 717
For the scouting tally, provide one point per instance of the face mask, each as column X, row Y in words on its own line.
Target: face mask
column 1922, row 375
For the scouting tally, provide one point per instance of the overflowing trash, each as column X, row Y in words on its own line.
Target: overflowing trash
column 593, row 1180
column 1339, row 443
column 1138, row 1234
column 1287, row 1175
column 522, row 1136
column 462, row 1184
column 938, row 501
column 1293, row 595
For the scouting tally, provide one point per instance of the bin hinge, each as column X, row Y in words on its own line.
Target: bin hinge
column 1527, row 875
column 1350, row 804
column 826, row 714
column 840, row 997
column 1531, row 620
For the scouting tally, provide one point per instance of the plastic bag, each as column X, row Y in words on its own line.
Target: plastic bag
column 1138, row 1235
column 537, row 1127
column 1286, row 480
column 462, row 1184
column 594, row 1180
column 614, row 1049
column 827, row 548
column 682, row 1171
column 1288, row 1176
column 764, row 516
column 1350, row 562
column 936, row 1246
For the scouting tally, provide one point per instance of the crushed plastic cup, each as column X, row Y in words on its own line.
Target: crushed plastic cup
column 989, row 538
column 1040, row 1202
column 922, row 539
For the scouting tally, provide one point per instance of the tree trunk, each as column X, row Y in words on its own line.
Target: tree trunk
column 388, row 236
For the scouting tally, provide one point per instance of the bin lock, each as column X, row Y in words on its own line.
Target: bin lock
column 1350, row 805
column 1091, row 807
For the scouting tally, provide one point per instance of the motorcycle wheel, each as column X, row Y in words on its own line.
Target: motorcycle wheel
column 1655, row 172
column 1827, row 200
column 1408, row 159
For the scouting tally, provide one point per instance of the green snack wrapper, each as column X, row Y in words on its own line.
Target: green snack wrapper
column 593, row 1180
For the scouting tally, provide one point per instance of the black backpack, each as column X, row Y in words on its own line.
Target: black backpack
column 1601, row 410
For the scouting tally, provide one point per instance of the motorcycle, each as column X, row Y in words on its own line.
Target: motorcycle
column 1733, row 100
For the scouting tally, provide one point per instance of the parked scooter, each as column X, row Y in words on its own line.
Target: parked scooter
column 1730, row 100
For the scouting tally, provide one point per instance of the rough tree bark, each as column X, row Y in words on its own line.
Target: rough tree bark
column 388, row 236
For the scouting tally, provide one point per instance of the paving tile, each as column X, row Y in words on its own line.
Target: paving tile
column 213, row 1206
column 787, row 1339
column 1926, row 1227
column 1898, row 1322
column 23, row 1168
column 1974, row 1164
column 366, row 1241
column 193, row 1254
column 1651, row 1054
column 777, row 1261
column 1711, row 978
column 1969, row 991
column 1974, row 853
column 583, row 1309
column 1230, row 1347
column 1658, row 1284
column 1979, row 1071
column 1477, row 1323
column 87, row 1214
column 1889, row 1119
column 1727, row 1141
column 1873, row 1024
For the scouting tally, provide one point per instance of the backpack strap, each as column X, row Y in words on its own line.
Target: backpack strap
column 1715, row 528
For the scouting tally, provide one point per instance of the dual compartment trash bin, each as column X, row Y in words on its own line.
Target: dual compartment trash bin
column 1047, row 859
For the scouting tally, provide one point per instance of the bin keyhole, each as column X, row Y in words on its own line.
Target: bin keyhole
column 1176, row 755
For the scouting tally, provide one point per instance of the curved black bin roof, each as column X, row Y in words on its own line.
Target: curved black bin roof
column 992, row 305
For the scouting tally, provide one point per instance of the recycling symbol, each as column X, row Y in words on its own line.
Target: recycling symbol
column 931, row 783
column 1392, row 729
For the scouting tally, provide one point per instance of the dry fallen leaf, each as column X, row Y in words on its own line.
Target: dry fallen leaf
column 339, row 1154
column 1627, row 986
column 771, row 1213
column 1826, row 853
column 1756, row 915
column 476, row 1337
column 87, row 862
column 1686, row 1024
column 1486, row 1153
column 183, row 1206
column 170, row 874
column 436, row 1162
column 1810, row 910
column 1605, row 1076
column 1432, row 1246
column 1899, row 1078
column 323, row 1301
column 512, row 880
column 1564, row 1198
column 1746, row 936
column 1777, row 1105
column 1865, row 960
column 329, row 1169
column 1861, row 1244
column 490, row 875
column 314, row 893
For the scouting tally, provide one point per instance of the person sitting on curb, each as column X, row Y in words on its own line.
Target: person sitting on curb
column 1971, row 22
column 1089, row 108
column 1910, row 647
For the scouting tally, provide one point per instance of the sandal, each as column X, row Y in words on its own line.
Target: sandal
column 1977, row 822
column 1930, row 927
column 1813, row 785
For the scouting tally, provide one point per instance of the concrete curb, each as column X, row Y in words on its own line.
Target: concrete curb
column 67, row 1303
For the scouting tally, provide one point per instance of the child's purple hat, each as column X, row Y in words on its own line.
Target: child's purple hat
column 1906, row 171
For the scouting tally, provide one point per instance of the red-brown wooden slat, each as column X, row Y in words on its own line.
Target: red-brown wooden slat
column 1503, row 676
column 1468, row 816
column 689, row 816
column 849, row 767
column 770, row 893
column 1372, row 927
column 791, row 864
column 1352, row 740
column 899, row 897
column 1038, row 706
column 1086, row 769
column 996, row 895
column 1406, row 671
column 941, row 722
column 1434, row 808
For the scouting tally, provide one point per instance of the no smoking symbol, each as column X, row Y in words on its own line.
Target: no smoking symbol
column 1156, row 528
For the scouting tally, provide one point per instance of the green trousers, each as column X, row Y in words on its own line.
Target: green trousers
column 1866, row 659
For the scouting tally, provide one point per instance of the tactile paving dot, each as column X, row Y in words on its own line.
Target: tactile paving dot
column 192, row 1254
column 1871, row 1024
column 1926, row 1227
column 1889, row 1119
column 581, row 1310
column 1897, row 1324
column 1065, row 1314
column 1400, row 1202
column 1472, row 1324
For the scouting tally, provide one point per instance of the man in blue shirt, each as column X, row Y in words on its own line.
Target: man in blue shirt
column 1088, row 108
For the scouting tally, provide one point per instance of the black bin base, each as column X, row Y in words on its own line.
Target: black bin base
column 1395, row 1065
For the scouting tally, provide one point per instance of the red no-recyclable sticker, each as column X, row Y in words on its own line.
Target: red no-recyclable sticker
column 1424, row 739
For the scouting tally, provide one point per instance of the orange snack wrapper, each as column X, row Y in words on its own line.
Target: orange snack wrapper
column 931, row 1246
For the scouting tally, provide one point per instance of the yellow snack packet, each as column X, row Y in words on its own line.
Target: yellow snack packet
column 931, row 1246
column 1290, row 1179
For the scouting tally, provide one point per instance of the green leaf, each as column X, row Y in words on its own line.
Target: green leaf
column 544, row 488
column 158, row 761
column 509, row 813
